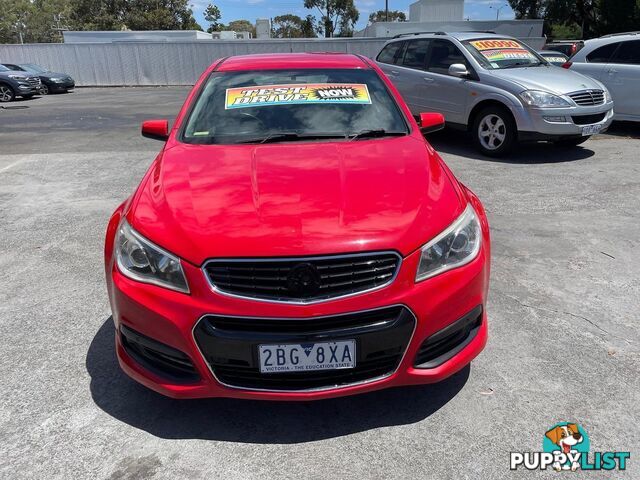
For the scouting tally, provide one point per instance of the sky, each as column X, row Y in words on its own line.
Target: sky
column 252, row 9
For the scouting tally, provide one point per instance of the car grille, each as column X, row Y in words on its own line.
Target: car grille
column 588, row 97
column 230, row 347
column 443, row 345
column 588, row 119
column 34, row 81
column 304, row 279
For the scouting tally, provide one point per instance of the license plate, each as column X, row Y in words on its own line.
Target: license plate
column 305, row 357
column 591, row 130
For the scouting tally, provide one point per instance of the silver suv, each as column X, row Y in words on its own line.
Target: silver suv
column 496, row 87
column 615, row 61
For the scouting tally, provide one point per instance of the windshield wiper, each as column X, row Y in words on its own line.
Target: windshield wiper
column 523, row 64
column 292, row 136
column 375, row 133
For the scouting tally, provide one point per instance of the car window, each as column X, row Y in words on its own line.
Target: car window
column 602, row 54
column 247, row 106
column 444, row 54
column 629, row 52
column 415, row 55
column 4, row 69
column 9, row 66
column 389, row 52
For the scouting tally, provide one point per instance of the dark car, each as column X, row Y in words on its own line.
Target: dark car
column 17, row 84
column 52, row 82
column 568, row 47
column 554, row 58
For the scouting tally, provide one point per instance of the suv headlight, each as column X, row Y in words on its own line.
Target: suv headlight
column 607, row 95
column 454, row 247
column 537, row 98
column 57, row 79
column 141, row 260
column 17, row 77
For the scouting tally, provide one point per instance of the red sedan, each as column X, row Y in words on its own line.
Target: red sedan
column 296, row 239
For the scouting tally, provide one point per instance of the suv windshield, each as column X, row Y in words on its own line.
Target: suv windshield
column 4, row 69
column 291, row 105
column 499, row 53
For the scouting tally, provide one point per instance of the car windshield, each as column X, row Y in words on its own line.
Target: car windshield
column 293, row 105
column 4, row 69
column 500, row 53
column 32, row 68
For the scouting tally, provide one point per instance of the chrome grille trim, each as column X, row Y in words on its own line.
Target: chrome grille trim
column 587, row 97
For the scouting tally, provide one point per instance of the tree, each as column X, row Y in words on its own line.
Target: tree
column 528, row 8
column 159, row 15
column 335, row 13
column 309, row 27
column 394, row 16
column 242, row 26
column 212, row 15
column 287, row 26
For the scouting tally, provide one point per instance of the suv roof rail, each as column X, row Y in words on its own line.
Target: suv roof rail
column 621, row 33
column 416, row 33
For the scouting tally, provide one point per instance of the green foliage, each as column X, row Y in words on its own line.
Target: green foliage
column 242, row 26
column 581, row 18
column 335, row 14
column 212, row 15
column 287, row 26
column 394, row 16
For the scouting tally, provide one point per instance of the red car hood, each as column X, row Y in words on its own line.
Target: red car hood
column 291, row 199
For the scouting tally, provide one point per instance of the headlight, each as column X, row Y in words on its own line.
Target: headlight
column 143, row 261
column 17, row 77
column 536, row 98
column 607, row 95
column 57, row 80
column 456, row 246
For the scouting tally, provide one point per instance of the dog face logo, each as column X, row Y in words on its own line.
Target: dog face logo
column 568, row 439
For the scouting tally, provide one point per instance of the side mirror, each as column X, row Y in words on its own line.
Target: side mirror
column 458, row 70
column 431, row 122
column 155, row 129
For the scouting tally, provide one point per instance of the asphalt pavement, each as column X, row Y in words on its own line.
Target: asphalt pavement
column 563, row 310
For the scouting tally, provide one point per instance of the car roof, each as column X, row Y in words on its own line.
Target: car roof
column 276, row 61
column 457, row 35
column 613, row 38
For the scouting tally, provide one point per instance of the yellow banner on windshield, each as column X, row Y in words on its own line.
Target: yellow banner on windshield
column 496, row 50
column 295, row 94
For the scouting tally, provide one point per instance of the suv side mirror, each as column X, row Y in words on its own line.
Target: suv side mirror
column 155, row 129
column 431, row 122
column 458, row 70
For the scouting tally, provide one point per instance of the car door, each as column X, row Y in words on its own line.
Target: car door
column 622, row 78
column 449, row 94
column 407, row 74
column 596, row 61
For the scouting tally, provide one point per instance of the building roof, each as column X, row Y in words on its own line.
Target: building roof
column 277, row 61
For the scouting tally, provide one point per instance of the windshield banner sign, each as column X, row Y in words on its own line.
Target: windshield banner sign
column 496, row 50
column 295, row 94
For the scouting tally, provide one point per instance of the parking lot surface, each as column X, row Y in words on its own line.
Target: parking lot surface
column 564, row 308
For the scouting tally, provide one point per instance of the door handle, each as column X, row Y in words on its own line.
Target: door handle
column 612, row 71
column 394, row 72
column 427, row 79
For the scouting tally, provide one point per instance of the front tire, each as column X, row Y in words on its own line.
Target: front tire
column 494, row 131
column 571, row 141
column 44, row 90
column 6, row 93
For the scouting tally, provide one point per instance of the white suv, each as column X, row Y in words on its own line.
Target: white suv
column 614, row 60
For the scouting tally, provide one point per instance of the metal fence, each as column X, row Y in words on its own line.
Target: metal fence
column 162, row 63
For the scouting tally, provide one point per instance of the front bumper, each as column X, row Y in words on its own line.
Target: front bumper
column 550, row 123
column 61, row 86
column 174, row 319
column 25, row 88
